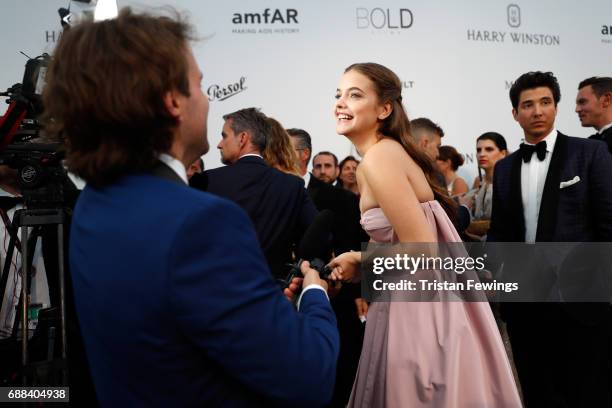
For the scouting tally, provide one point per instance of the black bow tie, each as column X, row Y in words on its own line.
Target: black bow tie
column 527, row 151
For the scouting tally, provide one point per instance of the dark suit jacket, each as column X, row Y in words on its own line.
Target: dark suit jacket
column 561, row 350
column 346, row 229
column 605, row 136
column 178, row 308
column 579, row 213
column 276, row 203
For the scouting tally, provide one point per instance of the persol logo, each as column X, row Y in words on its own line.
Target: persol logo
column 217, row 92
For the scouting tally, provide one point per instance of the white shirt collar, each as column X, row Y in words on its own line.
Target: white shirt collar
column 175, row 165
column 550, row 139
column 603, row 129
column 251, row 154
column 306, row 178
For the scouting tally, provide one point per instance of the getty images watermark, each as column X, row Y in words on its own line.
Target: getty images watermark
column 413, row 264
column 474, row 272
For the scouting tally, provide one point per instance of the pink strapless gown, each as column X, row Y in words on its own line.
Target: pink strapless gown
column 431, row 354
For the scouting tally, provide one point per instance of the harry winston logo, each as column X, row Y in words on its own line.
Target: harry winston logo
column 514, row 15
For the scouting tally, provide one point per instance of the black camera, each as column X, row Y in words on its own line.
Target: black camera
column 295, row 271
column 43, row 181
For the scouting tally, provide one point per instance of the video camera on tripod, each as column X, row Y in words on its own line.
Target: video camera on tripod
column 43, row 180
column 47, row 194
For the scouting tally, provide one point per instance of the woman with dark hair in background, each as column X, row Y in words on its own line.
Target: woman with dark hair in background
column 449, row 160
column 348, row 174
column 490, row 148
column 278, row 152
column 415, row 354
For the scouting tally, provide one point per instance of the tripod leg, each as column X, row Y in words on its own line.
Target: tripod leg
column 6, row 270
column 25, row 271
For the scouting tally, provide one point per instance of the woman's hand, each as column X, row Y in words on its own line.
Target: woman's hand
column 345, row 267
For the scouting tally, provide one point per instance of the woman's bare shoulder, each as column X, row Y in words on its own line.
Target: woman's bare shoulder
column 384, row 149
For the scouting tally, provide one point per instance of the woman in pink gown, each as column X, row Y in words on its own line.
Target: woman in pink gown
column 415, row 354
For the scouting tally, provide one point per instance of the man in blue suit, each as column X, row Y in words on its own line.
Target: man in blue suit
column 175, row 302
column 556, row 188
column 277, row 203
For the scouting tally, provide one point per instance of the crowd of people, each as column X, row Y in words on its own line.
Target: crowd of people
column 180, row 274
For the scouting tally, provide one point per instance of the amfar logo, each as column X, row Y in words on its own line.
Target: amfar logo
column 514, row 20
column 384, row 19
column 268, row 17
column 514, row 15
column 606, row 31
column 216, row 92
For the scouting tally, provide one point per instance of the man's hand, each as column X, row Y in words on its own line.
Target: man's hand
column 311, row 276
column 291, row 291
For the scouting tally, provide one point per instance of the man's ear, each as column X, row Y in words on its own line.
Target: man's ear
column 386, row 110
column 515, row 114
column 337, row 171
column 606, row 100
column 172, row 104
column 244, row 138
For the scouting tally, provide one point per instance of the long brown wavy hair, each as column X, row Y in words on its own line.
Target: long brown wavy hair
column 278, row 152
column 397, row 126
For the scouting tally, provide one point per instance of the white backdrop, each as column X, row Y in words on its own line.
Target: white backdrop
column 457, row 59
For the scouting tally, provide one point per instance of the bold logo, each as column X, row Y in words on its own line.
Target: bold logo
column 378, row 18
column 217, row 92
column 289, row 16
column 514, row 15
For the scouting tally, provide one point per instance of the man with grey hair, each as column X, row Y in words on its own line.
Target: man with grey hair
column 276, row 202
column 244, row 134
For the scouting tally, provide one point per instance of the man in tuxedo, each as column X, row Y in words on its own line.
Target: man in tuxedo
column 176, row 304
column 594, row 107
column 554, row 189
column 276, row 202
column 325, row 167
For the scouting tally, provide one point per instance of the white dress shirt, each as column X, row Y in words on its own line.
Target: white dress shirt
column 603, row 129
column 175, row 165
column 307, row 179
column 533, row 177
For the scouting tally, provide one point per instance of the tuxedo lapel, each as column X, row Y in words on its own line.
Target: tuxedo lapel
column 606, row 136
column 547, row 218
column 517, row 216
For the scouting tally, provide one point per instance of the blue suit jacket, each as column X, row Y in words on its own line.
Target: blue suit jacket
column 276, row 203
column 178, row 308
